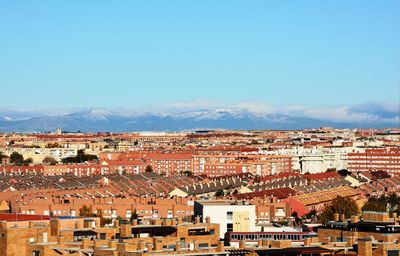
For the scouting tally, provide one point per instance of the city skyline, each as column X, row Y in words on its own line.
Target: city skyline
column 141, row 55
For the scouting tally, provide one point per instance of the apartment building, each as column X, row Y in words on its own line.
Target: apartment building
column 375, row 159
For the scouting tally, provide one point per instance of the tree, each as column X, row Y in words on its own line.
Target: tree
column 120, row 219
column 341, row 205
column 149, row 168
column 393, row 201
column 16, row 159
column 52, row 145
column 188, row 173
column 297, row 220
column 375, row 204
column 219, row 193
column 134, row 215
column 390, row 203
column 311, row 214
column 81, row 157
column 344, row 172
column 103, row 221
column 49, row 160
column 2, row 156
column 28, row 161
column 86, row 211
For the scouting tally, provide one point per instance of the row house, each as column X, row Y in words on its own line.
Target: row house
column 75, row 169
column 13, row 169
column 121, row 166
column 150, row 207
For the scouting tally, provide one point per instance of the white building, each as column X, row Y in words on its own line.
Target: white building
column 236, row 216
column 318, row 159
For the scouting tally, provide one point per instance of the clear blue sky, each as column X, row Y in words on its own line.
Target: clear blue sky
column 138, row 53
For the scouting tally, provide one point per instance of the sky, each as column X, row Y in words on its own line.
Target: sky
column 129, row 54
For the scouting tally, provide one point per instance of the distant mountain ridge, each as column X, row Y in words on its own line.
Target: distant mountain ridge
column 94, row 120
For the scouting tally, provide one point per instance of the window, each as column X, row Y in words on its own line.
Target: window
column 229, row 227
column 103, row 236
column 212, row 231
column 229, row 215
column 35, row 253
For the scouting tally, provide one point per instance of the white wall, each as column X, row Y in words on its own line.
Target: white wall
column 218, row 214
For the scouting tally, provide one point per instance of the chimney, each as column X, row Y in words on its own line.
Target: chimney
column 3, row 225
column 98, row 243
column 328, row 240
column 112, row 244
column 195, row 245
column 350, row 241
column 141, row 245
column 125, row 230
column 307, row 241
column 85, row 243
column 173, row 222
column 281, row 243
column 60, row 241
column 336, row 216
column 158, row 244
column 355, row 219
column 382, row 249
column 266, row 242
column 365, row 247
column 177, row 246
column 121, row 247
column 220, row 246
column 208, row 221
column 179, row 221
column 394, row 216
column 197, row 220
column 78, row 225
column 342, row 217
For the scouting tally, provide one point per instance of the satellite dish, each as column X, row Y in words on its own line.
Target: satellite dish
column 31, row 240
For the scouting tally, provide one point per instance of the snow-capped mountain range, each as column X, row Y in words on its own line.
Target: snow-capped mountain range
column 94, row 120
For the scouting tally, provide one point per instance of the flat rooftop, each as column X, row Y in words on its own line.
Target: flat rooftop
column 223, row 202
